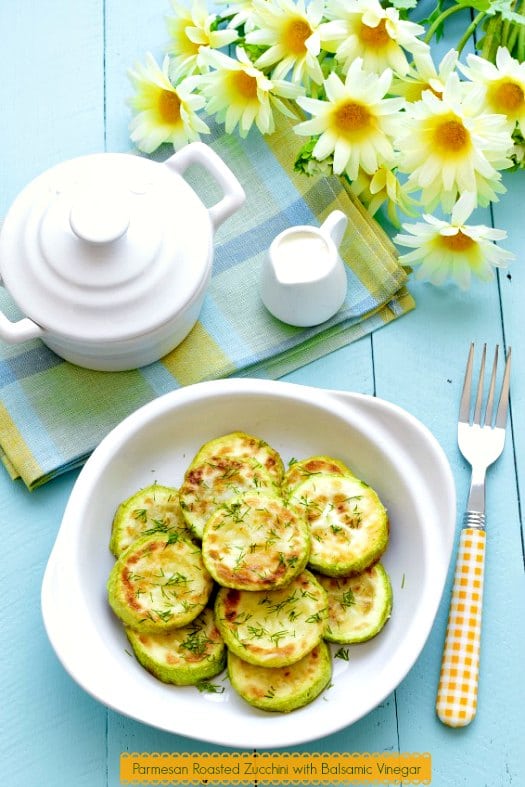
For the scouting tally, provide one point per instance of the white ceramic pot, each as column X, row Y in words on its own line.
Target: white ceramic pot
column 109, row 256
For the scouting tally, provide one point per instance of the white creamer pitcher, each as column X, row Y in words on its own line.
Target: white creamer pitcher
column 303, row 279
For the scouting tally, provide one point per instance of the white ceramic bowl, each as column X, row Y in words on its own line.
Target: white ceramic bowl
column 383, row 444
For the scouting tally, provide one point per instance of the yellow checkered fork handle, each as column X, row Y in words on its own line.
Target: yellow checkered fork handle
column 458, row 682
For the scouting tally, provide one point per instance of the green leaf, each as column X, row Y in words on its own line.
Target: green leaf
column 252, row 50
column 403, row 5
column 493, row 7
column 478, row 5
column 506, row 9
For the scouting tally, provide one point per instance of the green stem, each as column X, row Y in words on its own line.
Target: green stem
column 512, row 39
column 468, row 32
column 441, row 18
column 520, row 53
column 492, row 38
column 505, row 31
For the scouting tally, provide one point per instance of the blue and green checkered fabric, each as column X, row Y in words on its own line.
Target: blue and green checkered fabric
column 53, row 414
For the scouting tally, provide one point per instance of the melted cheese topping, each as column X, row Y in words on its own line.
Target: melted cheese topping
column 255, row 542
column 358, row 606
column 273, row 628
column 154, row 509
column 348, row 523
column 185, row 655
column 159, row 584
column 282, row 688
column 226, row 468
column 303, row 469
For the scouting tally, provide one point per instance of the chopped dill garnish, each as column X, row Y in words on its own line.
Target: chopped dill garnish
column 347, row 599
column 204, row 686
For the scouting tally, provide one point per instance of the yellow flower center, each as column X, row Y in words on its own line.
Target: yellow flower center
column 295, row 34
column 376, row 37
column 244, row 85
column 182, row 46
column 351, row 119
column 451, row 136
column 168, row 107
column 507, row 98
column 458, row 242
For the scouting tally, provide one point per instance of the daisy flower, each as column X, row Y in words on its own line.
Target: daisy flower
column 503, row 83
column 241, row 94
column 291, row 31
column 449, row 145
column 453, row 250
column 363, row 28
column 164, row 113
column 355, row 123
column 242, row 11
column 423, row 75
column 190, row 31
column 383, row 188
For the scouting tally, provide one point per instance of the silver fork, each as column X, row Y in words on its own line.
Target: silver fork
column 481, row 438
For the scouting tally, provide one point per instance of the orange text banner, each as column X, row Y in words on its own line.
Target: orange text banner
column 274, row 768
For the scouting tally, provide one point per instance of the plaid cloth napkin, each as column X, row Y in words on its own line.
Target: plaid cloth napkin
column 53, row 414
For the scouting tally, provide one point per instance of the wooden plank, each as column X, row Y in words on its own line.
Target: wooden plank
column 430, row 347
column 52, row 90
column 42, row 708
column 51, row 96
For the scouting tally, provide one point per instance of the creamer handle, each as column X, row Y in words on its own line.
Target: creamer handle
column 233, row 193
column 335, row 226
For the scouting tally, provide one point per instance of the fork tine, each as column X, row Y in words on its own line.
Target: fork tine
column 503, row 406
column 464, row 405
column 479, row 394
column 490, row 398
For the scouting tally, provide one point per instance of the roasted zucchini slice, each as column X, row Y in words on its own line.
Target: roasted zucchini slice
column 255, row 542
column 184, row 656
column 154, row 509
column 302, row 469
column 159, row 583
column 282, row 688
column 273, row 628
column 348, row 523
column 224, row 468
column 358, row 606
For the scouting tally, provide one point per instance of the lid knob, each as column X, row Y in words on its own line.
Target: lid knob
column 98, row 217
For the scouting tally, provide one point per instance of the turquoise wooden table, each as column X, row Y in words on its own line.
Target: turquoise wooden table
column 62, row 94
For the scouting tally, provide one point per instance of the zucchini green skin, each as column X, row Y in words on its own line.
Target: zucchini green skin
column 358, row 606
column 273, row 628
column 255, row 543
column 282, row 689
column 184, row 656
column 154, row 509
column 159, row 583
column 224, row 468
column 303, row 469
column 349, row 526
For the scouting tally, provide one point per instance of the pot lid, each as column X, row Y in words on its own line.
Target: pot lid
column 106, row 247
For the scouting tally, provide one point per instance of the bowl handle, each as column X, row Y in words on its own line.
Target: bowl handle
column 233, row 193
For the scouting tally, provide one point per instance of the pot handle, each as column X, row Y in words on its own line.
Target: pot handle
column 19, row 331
column 233, row 192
